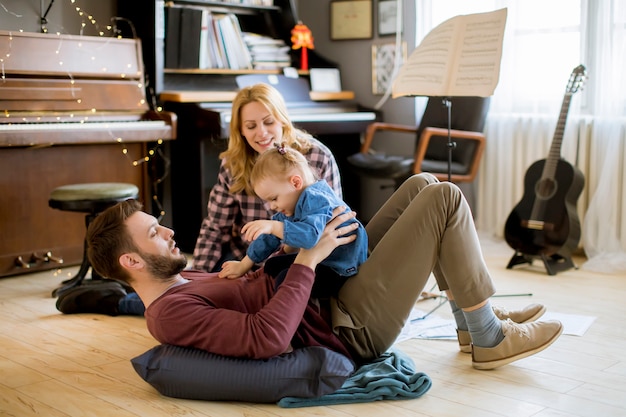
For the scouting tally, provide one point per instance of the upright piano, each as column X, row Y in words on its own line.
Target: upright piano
column 74, row 110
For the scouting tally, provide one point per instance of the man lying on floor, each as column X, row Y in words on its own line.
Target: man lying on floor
column 426, row 226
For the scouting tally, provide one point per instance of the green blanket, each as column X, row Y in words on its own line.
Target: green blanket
column 390, row 377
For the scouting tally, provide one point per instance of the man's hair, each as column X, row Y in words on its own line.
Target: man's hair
column 108, row 238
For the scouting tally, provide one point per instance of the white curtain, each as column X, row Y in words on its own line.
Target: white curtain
column 604, row 227
column 544, row 41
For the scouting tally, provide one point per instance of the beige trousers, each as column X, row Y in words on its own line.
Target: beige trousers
column 425, row 226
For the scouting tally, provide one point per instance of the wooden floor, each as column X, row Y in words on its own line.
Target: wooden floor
column 78, row 365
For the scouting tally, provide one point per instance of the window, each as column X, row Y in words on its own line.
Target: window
column 544, row 41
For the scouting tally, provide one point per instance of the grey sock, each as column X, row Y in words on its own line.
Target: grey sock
column 459, row 317
column 484, row 327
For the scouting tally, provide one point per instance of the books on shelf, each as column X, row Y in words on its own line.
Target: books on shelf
column 172, row 36
column 266, row 52
column 251, row 2
column 197, row 37
column 237, row 54
column 190, row 34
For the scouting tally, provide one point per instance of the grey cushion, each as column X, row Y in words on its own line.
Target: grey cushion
column 189, row 373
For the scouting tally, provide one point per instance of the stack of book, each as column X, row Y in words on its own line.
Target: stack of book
column 251, row 2
column 199, row 38
column 267, row 53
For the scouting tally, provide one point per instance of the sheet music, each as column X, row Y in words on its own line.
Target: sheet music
column 460, row 57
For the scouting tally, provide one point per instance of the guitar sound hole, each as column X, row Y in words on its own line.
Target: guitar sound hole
column 545, row 188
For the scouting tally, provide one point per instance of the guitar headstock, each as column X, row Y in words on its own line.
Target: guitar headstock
column 576, row 79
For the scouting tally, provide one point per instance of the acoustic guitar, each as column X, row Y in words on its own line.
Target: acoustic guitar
column 545, row 222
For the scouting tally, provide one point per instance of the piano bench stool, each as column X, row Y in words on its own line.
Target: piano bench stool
column 92, row 199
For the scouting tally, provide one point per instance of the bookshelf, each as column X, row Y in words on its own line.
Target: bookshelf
column 148, row 20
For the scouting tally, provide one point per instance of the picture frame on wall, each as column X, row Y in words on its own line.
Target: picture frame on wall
column 387, row 17
column 351, row 19
column 383, row 62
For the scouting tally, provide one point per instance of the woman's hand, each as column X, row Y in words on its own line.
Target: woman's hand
column 332, row 237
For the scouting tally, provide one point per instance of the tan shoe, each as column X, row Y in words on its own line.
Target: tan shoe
column 465, row 341
column 520, row 341
column 527, row 314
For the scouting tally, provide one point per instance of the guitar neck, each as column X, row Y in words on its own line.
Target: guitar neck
column 555, row 149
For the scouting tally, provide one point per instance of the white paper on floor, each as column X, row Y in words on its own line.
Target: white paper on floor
column 573, row 324
column 429, row 327
column 435, row 327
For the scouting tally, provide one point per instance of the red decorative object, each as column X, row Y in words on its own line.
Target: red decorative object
column 301, row 38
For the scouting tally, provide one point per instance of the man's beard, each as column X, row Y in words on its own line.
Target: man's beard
column 163, row 267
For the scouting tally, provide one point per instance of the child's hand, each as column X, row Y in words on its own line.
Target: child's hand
column 289, row 249
column 254, row 229
column 232, row 270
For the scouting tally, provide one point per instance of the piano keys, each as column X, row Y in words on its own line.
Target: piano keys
column 38, row 134
column 74, row 109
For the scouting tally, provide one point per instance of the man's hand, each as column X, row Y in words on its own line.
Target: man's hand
column 254, row 229
column 332, row 237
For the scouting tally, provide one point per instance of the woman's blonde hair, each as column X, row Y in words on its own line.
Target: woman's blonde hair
column 279, row 163
column 239, row 158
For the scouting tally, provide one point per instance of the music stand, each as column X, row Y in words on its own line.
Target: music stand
column 451, row 61
column 451, row 145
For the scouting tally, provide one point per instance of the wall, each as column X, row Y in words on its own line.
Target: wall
column 354, row 56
